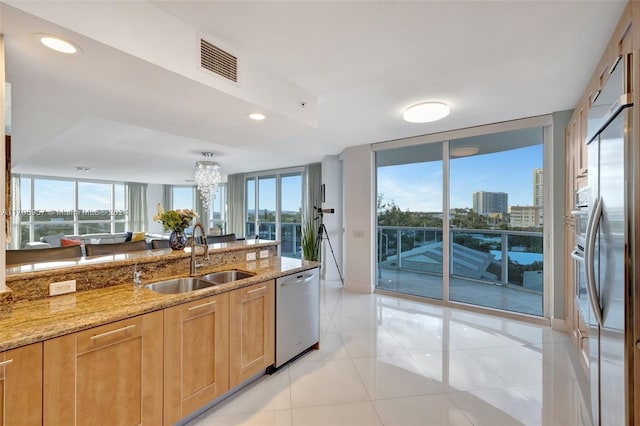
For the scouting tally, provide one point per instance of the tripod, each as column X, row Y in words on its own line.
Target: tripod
column 322, row 230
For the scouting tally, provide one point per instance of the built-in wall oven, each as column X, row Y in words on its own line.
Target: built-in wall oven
column 580, row 214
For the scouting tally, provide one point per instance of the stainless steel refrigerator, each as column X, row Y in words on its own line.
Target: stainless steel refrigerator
column 610, row 247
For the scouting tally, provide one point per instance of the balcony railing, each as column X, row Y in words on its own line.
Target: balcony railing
column 290, row 236
column 504, row 257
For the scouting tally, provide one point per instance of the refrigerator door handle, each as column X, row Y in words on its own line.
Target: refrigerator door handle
column 577, row 255
column 589, row 255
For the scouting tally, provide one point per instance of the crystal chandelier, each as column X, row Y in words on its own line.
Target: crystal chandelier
column 208, row 175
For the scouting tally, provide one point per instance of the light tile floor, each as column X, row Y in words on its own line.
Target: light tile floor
column 390, row 361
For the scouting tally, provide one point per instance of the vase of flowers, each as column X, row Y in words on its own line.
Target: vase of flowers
column 176, row 221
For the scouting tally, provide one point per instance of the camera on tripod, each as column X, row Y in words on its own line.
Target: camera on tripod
column 321, row 211
column 322, row 233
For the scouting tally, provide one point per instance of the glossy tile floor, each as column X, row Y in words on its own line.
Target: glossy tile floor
column 389, row 361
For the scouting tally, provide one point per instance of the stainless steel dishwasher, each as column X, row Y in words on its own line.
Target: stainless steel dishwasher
column 297, row 314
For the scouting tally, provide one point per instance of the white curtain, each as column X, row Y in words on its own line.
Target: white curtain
column 312, row 188
column 136, row 196
column 167, row 199
column 13, row 239
column 236, row 204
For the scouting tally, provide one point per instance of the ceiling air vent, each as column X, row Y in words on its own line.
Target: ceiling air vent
column 218, row 61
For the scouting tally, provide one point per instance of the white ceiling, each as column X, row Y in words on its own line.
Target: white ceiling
column 139, row 117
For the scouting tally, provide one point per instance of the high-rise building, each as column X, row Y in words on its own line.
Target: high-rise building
column 538, row 187
column 525, row 216
column 490, row 202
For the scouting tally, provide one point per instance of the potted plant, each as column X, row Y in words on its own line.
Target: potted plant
column 176, row 221
column 309, row 242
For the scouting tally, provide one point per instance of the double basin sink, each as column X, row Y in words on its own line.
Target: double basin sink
column 185, row 285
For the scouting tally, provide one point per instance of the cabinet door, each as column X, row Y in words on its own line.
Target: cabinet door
column 196, row 365
column 251, row 331
column 107, row 375
column 21, row 386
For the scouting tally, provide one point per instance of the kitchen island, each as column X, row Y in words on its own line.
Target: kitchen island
column 160, row 357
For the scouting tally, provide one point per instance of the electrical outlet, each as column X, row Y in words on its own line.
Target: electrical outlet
column 62, row 287
column 251, row 256
column 264, row 254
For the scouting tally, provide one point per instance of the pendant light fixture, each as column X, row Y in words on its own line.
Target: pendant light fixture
column 208, row 174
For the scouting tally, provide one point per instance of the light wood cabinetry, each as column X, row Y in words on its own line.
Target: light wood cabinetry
column 196, row 364
column 576, row 134
column 251, row 331
column 107, row 375
column 21, row 386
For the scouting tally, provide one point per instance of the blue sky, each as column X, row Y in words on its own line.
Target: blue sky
column 414, row 187
column 418, row 186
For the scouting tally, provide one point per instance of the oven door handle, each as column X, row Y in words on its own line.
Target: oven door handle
column 589, row 255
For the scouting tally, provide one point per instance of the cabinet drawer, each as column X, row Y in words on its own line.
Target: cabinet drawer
column 109, row 334
column 200, row 307
column 256, row 290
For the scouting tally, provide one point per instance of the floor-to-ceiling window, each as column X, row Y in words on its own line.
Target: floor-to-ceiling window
column 182, row 197
column 409, row 205
column 50, row 206
column 492, row 211
column 218, row 209
column 496, row 221
column 274, row 208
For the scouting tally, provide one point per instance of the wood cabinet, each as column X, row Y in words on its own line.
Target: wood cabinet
column 576, row 135
column 251, row 331
column 21, row 386
column 107, row 375
column 196, row 364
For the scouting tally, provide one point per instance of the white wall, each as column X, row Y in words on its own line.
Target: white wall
column 358, row 218
column 155, row 193
column 332, row 181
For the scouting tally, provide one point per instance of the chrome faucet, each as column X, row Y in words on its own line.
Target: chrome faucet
column 194, row 264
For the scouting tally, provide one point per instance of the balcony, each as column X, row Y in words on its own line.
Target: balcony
column 501, row 269
column 290, row 236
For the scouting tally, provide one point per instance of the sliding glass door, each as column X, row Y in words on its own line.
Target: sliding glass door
column 410, row 220
column 496, row 219
column 274, row 209
column 492, row 211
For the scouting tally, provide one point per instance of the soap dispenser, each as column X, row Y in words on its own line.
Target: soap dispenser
column 137, row 277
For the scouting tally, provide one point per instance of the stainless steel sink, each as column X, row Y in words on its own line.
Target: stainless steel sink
column 185, row 285
column 180, row 285
column 227, row 276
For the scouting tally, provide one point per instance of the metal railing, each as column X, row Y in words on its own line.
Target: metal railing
column 290, row 236
column 486, row 255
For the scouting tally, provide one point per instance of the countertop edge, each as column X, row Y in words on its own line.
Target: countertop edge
column 39, row 320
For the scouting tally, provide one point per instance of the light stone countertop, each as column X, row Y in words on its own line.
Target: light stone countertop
column 38, row 320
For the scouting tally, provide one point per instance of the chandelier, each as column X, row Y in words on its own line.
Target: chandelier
column 207, row 176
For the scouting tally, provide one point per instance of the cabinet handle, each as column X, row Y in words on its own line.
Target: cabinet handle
column 5, row 363
column 256, row 289
column 193, row 308
column 109, row 333
column 581, row 335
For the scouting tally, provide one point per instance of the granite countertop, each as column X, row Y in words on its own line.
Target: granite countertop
column 139, row 257
column 34, row 321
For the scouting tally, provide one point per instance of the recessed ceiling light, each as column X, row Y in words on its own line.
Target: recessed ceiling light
column 257, row 116
column 82, row 169
column 426, row 112
column 58, row 44
column 464, row 151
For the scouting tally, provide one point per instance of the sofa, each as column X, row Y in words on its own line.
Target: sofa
column 61, row 240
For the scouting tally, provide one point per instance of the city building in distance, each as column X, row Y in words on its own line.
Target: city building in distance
column 485, row 202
